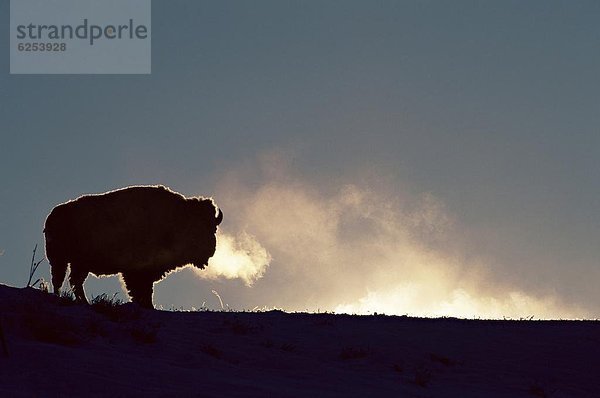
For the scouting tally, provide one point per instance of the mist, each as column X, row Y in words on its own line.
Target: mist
column 358, row 248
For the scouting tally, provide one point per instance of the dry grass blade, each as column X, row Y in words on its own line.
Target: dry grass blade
column 33, row 268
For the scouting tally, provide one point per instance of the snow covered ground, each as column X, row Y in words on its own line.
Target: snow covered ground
column 57, row 348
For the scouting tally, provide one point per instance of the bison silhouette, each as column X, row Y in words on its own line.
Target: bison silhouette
column 140, row 232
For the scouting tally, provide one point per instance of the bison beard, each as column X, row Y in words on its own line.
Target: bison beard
column 141, row 232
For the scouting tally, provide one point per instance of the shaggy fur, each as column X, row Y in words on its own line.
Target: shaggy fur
column 141, row 232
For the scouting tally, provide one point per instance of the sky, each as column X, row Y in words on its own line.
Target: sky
column 420, row 157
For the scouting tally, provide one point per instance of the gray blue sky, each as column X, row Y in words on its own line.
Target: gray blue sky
column 481, row 118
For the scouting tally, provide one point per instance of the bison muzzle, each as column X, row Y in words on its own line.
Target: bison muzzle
column 141, row 232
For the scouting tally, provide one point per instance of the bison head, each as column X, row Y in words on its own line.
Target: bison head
column 204, row 221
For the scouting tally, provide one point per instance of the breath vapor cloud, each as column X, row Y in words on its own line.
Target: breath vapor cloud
column 357, row 248
column 238, row 256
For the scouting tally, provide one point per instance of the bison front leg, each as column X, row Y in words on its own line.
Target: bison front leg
column 140, row 289
column 76, row 279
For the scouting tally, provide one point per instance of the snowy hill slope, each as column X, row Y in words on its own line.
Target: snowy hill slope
column 57, row 348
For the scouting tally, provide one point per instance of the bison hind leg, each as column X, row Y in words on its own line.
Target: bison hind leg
column 58, row 270
column 140, row 289
column 58, row 267
column 76, row 279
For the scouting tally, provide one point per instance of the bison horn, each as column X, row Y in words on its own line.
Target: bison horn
column 219, row 217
